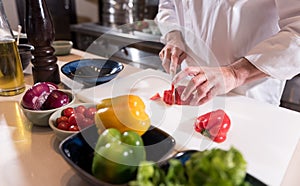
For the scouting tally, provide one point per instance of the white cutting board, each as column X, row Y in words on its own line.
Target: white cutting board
column 266, row 135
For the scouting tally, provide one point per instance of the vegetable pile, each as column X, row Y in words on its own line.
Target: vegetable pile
column 73, row 119
column 44, row 96
column 210, row 167
column 121, row 121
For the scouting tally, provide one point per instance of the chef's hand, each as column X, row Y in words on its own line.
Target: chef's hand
column 208, row 82
column 173, row 53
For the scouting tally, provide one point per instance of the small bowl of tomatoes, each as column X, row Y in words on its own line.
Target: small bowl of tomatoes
column 69, row 120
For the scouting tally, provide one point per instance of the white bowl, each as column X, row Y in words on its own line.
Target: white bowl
column 62, row 47
column 41, row 117
column 62, row 134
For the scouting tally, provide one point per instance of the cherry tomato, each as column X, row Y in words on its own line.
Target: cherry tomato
column 80, row 109
column 76, row 118
column 68, row 111
column 90, row 112
column 73, row 128
column 85, row 123
column 72, row 117
column 63, row 125
column 62, row 118
column 72, row 120
column 79, row 117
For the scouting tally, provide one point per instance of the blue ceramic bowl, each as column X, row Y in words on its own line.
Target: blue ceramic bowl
column 91, row 72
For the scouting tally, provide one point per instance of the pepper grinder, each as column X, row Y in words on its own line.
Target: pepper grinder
column 40, row 33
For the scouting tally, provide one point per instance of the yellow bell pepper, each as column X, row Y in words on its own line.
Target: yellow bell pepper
column 126, row 112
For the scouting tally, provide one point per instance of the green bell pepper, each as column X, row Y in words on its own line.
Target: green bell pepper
column 117, row 156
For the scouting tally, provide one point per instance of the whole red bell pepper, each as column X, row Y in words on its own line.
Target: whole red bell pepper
column 214, row 125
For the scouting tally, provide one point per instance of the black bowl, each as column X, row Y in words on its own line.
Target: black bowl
column 91, row 72
column 78, row 150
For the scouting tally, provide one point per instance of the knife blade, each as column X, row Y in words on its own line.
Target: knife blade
column 172, row 74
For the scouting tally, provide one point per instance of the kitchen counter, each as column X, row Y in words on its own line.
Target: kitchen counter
column 30, row 156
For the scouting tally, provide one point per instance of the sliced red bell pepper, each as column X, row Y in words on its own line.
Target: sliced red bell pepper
column 155, row 97
column 172, row 96
column 214, row 125
column 168, row 97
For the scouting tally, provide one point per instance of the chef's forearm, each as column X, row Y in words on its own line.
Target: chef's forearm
column 245, row 72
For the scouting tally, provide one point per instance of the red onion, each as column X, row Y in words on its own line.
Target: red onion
column 56, row 99
column 35, row 96
column 51, row 86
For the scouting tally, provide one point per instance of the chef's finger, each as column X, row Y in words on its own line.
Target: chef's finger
column 176, row 53
column 182, row 57
column 189, row 71
column 197, row 83
column 210, row 94
column 166, row 59
column 161, row 54
column 202, row 92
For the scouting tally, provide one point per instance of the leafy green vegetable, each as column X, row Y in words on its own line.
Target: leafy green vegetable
column 149, row 174
column 216, row 167
column 176, row 174
column 207, row 168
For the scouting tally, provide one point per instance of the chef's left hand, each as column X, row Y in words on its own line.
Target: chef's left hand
column 173, row 52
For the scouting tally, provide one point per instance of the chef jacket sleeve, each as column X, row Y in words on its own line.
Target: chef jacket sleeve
column 167, row 18
column 279, row 55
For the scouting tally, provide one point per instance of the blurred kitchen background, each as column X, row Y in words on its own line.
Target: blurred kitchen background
column 129, row 35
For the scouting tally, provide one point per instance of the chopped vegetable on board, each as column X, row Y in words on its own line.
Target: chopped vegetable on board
column 172, row 96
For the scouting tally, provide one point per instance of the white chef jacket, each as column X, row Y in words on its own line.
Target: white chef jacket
column 266, row 32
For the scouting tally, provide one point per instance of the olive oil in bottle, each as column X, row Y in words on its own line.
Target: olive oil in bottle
column 11, row 72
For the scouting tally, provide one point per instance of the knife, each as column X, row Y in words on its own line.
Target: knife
column 172, row 74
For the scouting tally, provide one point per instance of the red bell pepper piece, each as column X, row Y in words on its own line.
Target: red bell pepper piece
column 172, row 96
column 168, row 97
column 214, row 125
column 155, row 97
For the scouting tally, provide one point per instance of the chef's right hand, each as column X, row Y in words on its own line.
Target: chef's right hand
column 173, row 53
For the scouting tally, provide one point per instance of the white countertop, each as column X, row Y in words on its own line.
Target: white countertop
column 268, row 136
